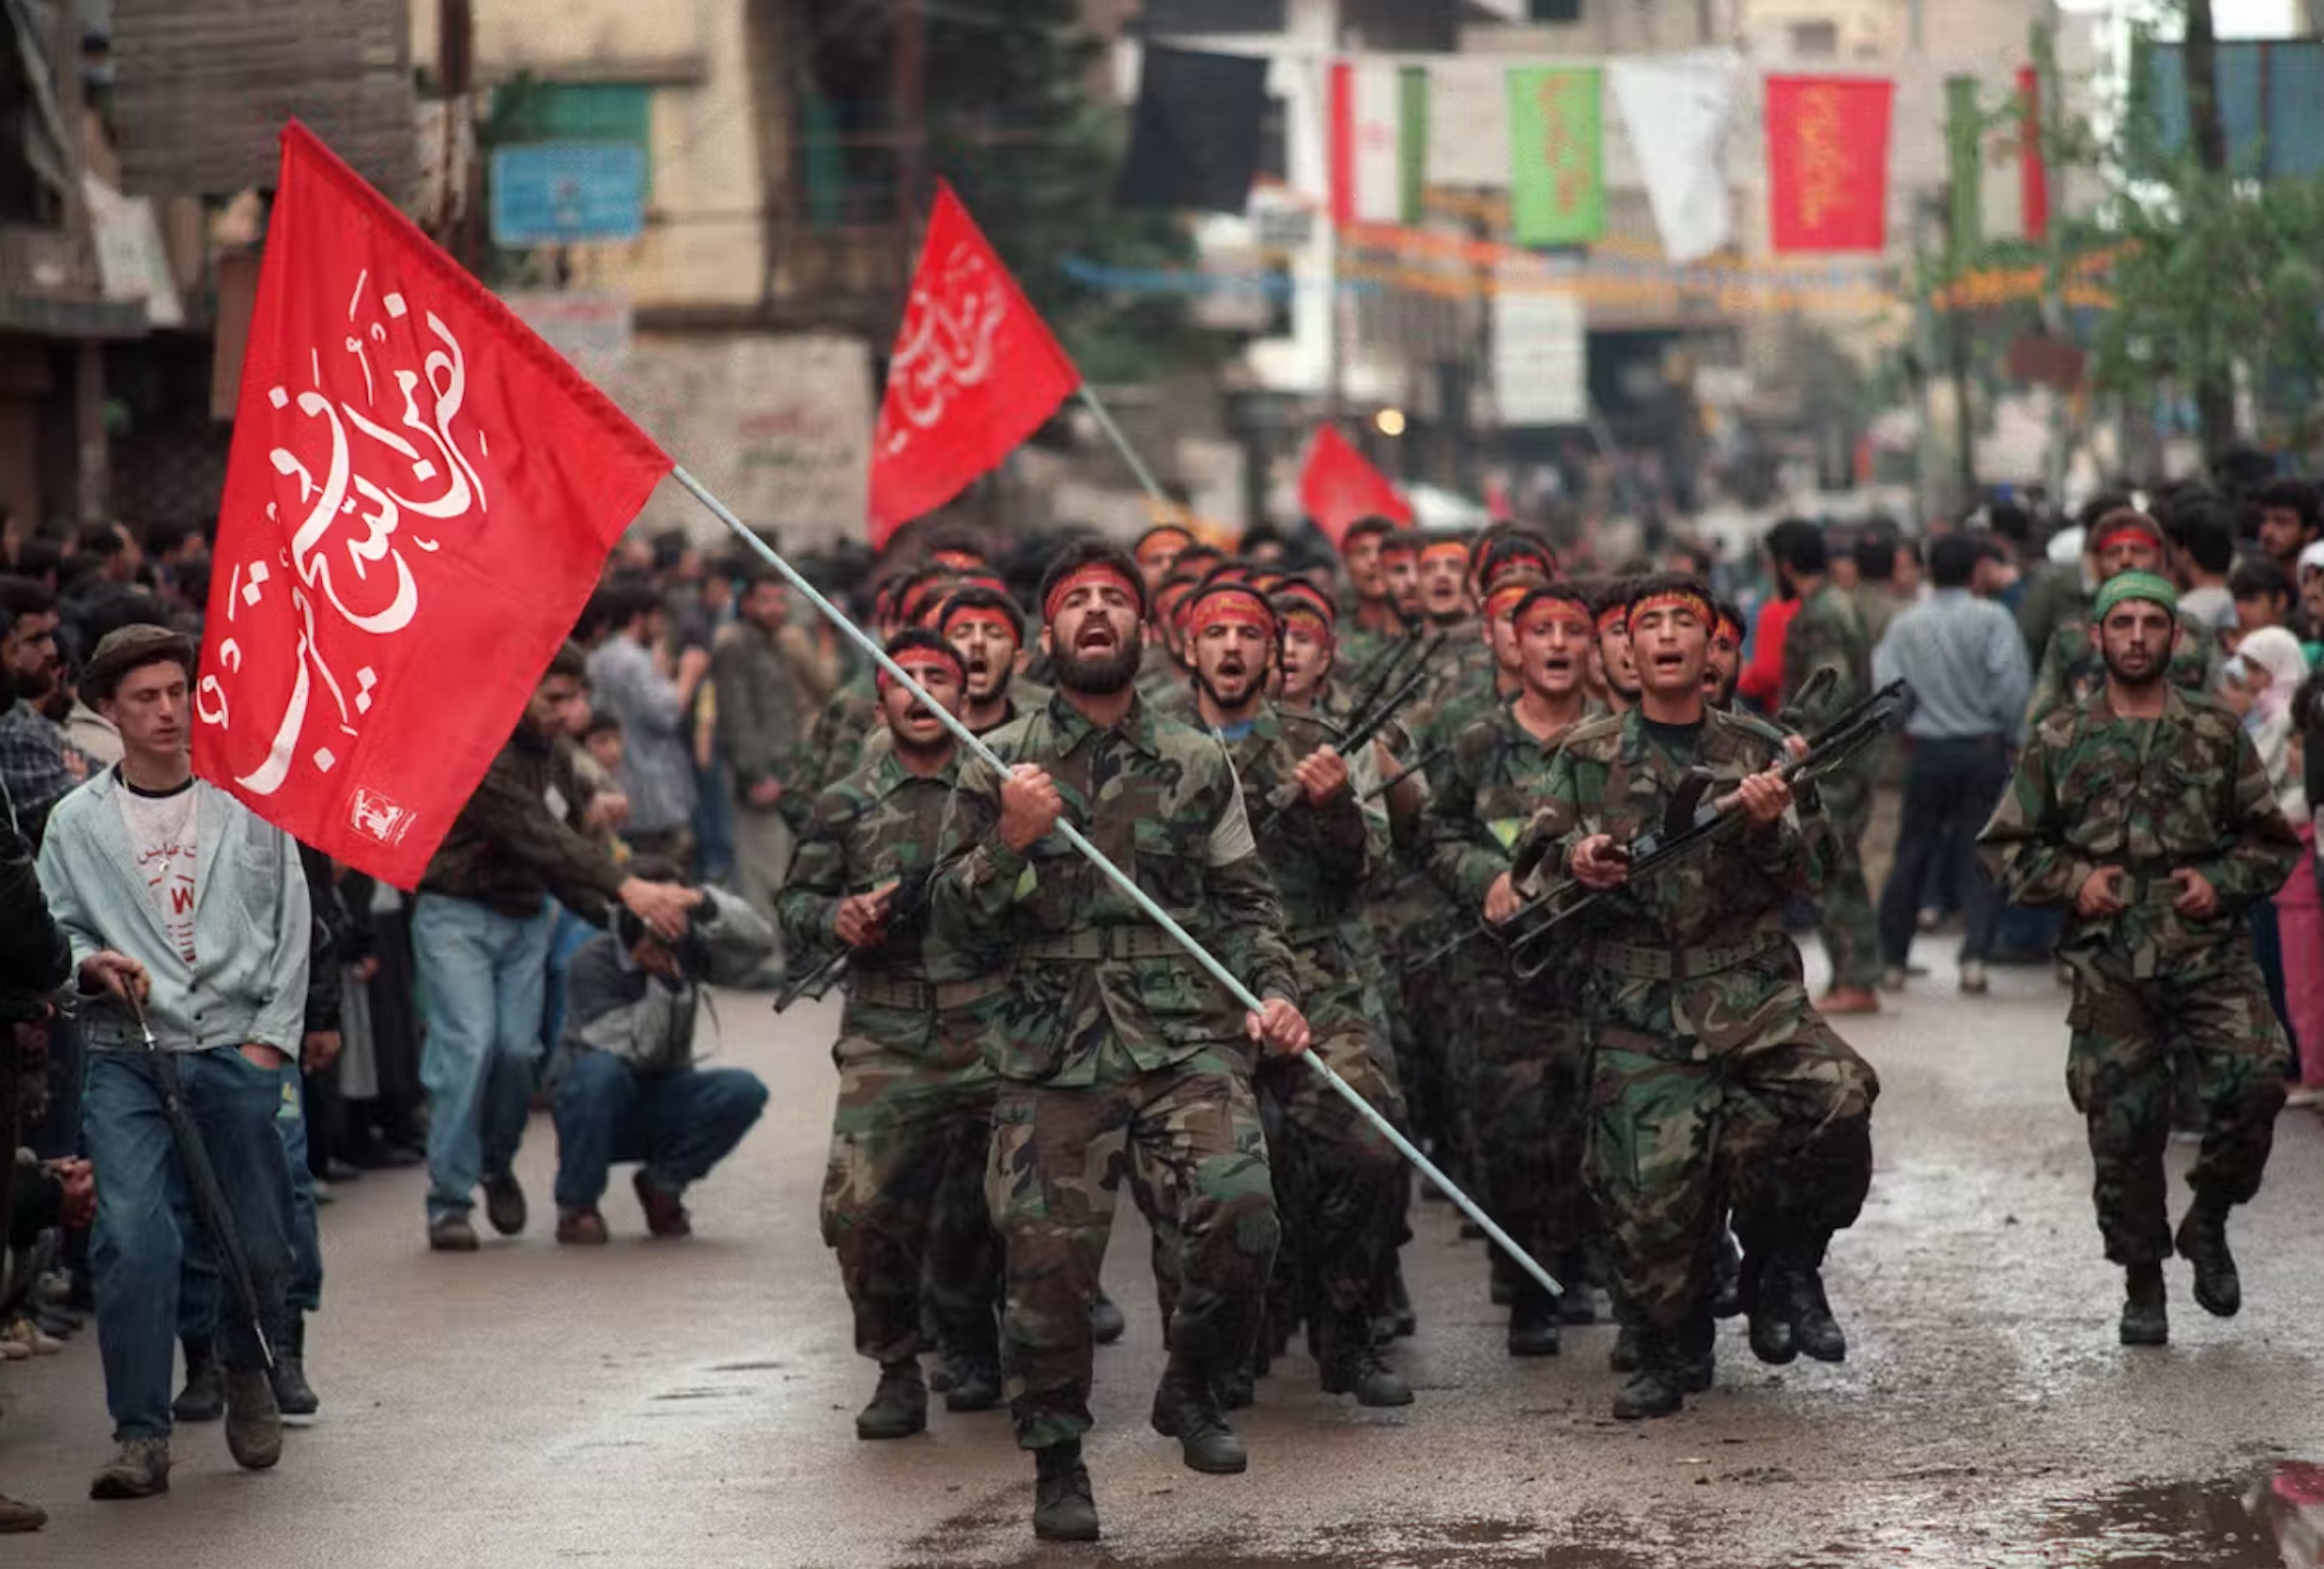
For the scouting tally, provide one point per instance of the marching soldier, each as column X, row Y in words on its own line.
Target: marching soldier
column 1375, row 625
column 1119, row 1056
column 1712, row 1077
column 915, row 1093
column 2073, row 668
column 1525, row 1086
column 1614, row 671
column 1341, row 1183
column 2147, row 814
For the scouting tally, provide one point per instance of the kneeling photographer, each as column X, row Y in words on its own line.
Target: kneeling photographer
column 626, row 1085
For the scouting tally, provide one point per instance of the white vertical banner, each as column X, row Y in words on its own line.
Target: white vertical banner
column 1468, row 123
column 1540, row 349
column 1676, row 110
column 1378, row 142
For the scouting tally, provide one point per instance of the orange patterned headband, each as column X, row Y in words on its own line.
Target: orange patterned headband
column 1613, row 619
column 1505, row 599
column 1677, row 600
column 1544, row 613
column 1444, row 547
column 1230, row 607
column 1097, row 573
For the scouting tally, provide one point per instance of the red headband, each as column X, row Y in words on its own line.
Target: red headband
column 1547, row 613
column 959, row 560
column 1505, row 599
column 915, row 660
column 1612, row 616
column 1095, row 572
column 1729, row 628
column 1303, row 615
column 1677, row 598
column 1444, row 547
column 1521, row 560
column 1173, row 540
column 1230, row 609
column 983, row 615
column 2144, row 535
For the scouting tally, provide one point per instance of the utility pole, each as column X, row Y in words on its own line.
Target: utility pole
column 910, row 92
column 455, row 70
column 2214, row 393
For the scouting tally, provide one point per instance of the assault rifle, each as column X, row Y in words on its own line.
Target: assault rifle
column 1693, row 823
column 1385, row 668
column 1348, row 745
column 909, row 903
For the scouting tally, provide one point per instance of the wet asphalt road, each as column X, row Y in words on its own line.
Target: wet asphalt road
column 690, row 1404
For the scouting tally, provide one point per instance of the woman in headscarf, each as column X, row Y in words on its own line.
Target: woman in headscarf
column 2288, row 931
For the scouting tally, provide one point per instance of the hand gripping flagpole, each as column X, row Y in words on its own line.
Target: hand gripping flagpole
column 1114, row 874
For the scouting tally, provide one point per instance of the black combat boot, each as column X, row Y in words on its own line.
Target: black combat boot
column 1533, row 1320
column 899, row 1406
column 976, row 1382
column 2203, row 1242
column 204, row 1398
column 1397, row 1320
column 2146, row 1313
column 1813, row 1329
column 1063, row 1508
column 1766, row 1294
column 1353, row 1363
column 1186, row 1408
column 1654, row 1389
column 1624, row 1357
column 1694, row 1363
column 293, row 1395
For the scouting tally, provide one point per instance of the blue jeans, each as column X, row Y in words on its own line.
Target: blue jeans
column 139, row 1247
column 483, row 977
column 199, row 1288
column 565, row 940
column 679, row 1125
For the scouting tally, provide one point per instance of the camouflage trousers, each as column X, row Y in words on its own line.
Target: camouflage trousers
column 1528, row 1110
column 2118, row 1073
column 1339, row 1180
column 1845, row 916
column 900, row 1200
column 1727, row 1087
column 1187, row 1138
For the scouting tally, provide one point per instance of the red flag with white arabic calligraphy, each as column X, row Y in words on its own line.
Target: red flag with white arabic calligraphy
column 1339, row 489
column 419, row 498
column 974, row 372
column 1828, row 162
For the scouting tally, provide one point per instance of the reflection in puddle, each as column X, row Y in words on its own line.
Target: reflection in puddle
column 2233, row 1522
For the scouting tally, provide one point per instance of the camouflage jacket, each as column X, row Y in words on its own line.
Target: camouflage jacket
column 1496, row 779
column 1319, row 857
column 1024, row 698
column 834, row 746
column 762, row 707
column 1162, row 802
column 2073, row 668
column 2149, row 797
column 876, row 826
column 1826, row 633
column 1157, row 671
column 1613, row 776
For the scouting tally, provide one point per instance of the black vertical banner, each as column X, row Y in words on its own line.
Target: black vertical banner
column 1196, row 139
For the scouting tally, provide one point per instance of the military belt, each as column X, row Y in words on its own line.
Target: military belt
column 1098, row 943
column 880, row 992
column 1635, row 963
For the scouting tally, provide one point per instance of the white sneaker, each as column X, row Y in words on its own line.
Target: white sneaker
column 1974, row 982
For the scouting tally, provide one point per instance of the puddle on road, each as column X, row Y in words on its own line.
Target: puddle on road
column 2275, row 1521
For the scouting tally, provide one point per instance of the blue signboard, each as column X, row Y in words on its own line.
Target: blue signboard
column 568, row 193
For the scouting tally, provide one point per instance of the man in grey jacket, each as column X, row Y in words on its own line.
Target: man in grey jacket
column 173, row 894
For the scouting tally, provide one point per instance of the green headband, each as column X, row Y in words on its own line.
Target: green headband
column 2135, row 586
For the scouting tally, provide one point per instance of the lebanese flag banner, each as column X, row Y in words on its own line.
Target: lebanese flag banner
column 419, row 497
column 974, row 372
column 1337, row 488
column 1828, row 162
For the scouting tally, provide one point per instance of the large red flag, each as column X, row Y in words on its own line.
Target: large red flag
column 1828, row 162
column 419, row 497
column 1339, row 489
column 974, row 372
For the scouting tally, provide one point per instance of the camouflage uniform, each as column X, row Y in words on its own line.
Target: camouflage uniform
column 2072, row 668
column 901, row 1198
column 1713, row 1076
column 1119, row 1056
column 1828, row 634
column 834, row 746
column 2149, row 797
column 1528, row 1053
column 1340, row 1182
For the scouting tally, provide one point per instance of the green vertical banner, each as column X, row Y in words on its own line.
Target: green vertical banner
column 1966, row 154
column 1557, row 144
column 1411, row 150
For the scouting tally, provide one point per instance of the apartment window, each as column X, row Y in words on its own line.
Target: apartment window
column 1566, row 12
column 1814, row 41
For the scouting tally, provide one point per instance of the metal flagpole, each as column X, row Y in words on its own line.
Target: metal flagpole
column 1137, row 465
column 1114, row 874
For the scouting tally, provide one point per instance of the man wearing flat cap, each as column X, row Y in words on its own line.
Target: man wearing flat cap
column 187, row 914
column 2145, row 814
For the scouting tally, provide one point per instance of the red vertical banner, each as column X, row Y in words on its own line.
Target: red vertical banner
column 1340, row 124
column 2032, row 161
column 1828, row 162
